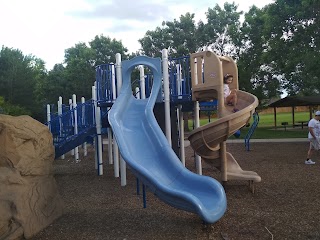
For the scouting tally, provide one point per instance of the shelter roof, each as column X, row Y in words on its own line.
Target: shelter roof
column 296, row 101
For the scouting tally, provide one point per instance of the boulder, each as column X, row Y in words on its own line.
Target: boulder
column 29, row 197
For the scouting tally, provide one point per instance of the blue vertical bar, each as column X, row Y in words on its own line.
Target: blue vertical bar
column 144, row 196
column 138, row 187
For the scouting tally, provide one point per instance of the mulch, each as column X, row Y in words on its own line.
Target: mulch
column 285, row 205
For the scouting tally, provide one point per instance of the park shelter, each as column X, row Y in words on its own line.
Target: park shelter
column 293, row 101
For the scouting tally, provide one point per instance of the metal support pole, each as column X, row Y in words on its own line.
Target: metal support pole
column 166, row 90
column 123, row 170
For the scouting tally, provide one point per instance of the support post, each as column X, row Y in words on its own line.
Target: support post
column 75, row 111
column 223, row 154
column 123, row 170
column 196, row 125
column 85, row 152
column 166, row 89
column 181, row 131
column 142, row 83
column 60, row 120
column 98, row 129
column 49, row 116
column 72, row 121
column 197, row 120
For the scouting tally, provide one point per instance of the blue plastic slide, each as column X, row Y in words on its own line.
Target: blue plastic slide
column 147, row 152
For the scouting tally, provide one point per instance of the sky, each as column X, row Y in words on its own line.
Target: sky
column 46, row 28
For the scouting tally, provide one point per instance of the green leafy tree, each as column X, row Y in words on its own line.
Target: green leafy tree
column 295, row 28
column 253, row 50
column 16, row 76
column 178, row 36
column 280, row 45
column 154, row 41
column 220, row 33
column 10, row 109
column 19, row 77
column 79, row 70
column 105, row 50
column 77, row 75
column 40, row 74
column 56, row 85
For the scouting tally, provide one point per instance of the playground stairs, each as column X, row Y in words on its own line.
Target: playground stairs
column 72, row 141
column 73, row 127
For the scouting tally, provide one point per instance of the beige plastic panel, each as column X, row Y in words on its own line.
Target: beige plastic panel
column 207, row 71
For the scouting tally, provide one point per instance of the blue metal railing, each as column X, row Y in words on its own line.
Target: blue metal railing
column 180, row 79
column 252, row 128
column 62, row 126
column 105, row 74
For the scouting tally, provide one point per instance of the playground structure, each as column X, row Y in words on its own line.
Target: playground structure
column 142, row 144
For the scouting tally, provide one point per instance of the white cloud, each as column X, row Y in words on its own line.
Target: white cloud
column 244, row 5
column 45, row 28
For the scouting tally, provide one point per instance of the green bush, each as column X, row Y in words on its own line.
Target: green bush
column 10, row 109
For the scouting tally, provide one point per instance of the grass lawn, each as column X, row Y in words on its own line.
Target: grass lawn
column 268, row 119
column 266, row 130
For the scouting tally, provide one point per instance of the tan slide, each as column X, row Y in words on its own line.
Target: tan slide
column 206, row 140
column 209, row 141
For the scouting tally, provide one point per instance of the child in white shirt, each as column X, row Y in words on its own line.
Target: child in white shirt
column 230, row 96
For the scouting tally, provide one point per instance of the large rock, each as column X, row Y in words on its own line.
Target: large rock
column 29, row 198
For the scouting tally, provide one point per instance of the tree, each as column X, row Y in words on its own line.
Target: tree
column 56, row 85
column 79, row 70
column 78, row 74
column 19, row 75
column 10, row 109
column 178, row 36
column 297, row 31
column 221, row 32
column 39, row 75
column 281, row 47
column 251, row 65
column 16, row 81
column 106, row 49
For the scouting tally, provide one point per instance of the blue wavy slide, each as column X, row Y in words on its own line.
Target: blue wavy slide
column 147, row 152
